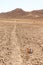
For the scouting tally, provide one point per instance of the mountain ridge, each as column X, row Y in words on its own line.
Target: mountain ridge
column 21, row 14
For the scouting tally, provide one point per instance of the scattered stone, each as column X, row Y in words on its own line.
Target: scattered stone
column 30, row 51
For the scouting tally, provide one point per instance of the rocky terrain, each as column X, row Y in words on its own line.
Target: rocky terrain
column 21, row 37
column 30, row 37
column 21, row 43
column 21, row 14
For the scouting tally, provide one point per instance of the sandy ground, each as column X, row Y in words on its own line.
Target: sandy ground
column 21, row 43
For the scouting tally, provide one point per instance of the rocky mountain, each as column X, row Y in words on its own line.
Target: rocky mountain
column 21, row 14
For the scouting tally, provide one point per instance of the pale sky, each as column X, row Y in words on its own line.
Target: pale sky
column 27, row 5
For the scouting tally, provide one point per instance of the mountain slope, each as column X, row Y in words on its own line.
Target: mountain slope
column 19, row 14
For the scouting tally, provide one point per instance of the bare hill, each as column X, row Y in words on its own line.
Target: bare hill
column 21, row 14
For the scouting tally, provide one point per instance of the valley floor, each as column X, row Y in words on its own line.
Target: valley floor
column 21, row 42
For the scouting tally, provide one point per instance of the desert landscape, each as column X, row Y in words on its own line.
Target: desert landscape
column 21, row 38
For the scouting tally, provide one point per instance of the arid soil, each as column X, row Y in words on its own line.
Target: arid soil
column 21, row 43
